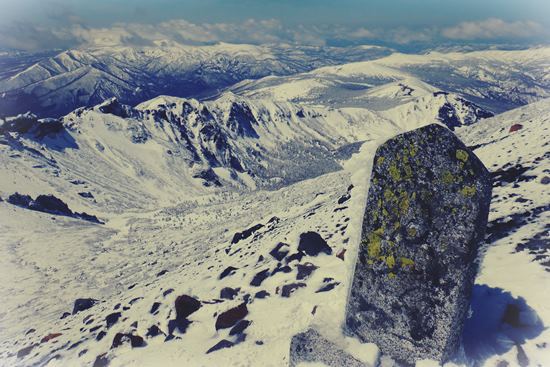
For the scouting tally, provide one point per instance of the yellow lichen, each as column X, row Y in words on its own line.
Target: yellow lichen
column 468, row 191
column 390, row 261
column 448, row 178
column 394, row 172
column 391, row 275
column 461, row 155
column 406, row 262
column 380, row 160
column 411, row 232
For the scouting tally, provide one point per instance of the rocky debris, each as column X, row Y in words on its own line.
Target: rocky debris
column 221, row 345
column 82, row 304
column 49, row 337
column 25, row 351
column 262, row 294
column 49, row 204
column 277, row 251
column 229, row 293
column 154, row 308
column 313, row 244
column 246, row 233
column 341, row 254
column 515, row 127
column 227, row 272
column 311, row 347
column 101, row 360
column 305, row 270
column 112, row 319
column 185, row 306
column 288, row 289
column 86, row 194
column 259, row 278
column 240, row 327
column 135, row 341
column 295, row 257
column 230, row 317
column 426, row 214
column 344, row 198
column 153, row 331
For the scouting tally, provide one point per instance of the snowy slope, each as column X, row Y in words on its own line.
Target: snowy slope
column 141, row 257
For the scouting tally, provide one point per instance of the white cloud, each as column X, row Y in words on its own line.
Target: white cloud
column 493, row 28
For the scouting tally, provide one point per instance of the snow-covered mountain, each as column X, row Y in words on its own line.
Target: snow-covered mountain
column 233, row 255
column 85, row 77
column 497, row 80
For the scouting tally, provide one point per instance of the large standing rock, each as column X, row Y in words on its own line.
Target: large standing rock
column 425, row 217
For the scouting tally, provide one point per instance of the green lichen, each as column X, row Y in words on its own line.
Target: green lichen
column 374, row 243
column 461, row 155
column 394, row 172
column 411, row 232
column 379, row 161
column 390, row 261
column 404, row 203
column 448, row 178
column 468, row 191
column 391, row 275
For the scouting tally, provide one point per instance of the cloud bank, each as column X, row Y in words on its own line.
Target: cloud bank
column 254, row 31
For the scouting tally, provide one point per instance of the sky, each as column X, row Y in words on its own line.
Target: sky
column 46, row 24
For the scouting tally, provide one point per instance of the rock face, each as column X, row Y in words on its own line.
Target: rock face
column 311, row 347
column 426, row 214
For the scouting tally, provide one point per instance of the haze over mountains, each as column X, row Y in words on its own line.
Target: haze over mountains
column 206, row 164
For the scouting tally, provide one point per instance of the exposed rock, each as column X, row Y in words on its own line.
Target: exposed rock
column 185, row 306
column 425, row 217
column 515, row 127
column 227, row 272
column 259, row 278
column 82, row 304
column 101, row 360
column 262, row 294
column 153, row 331
column 341, row 254
column 154, row 308
column 112, row 318
column 228, row 293
column 135, row 341
column 246, row 233
column 220, row 345
column 311, row 347
column 288, row 289
column 277, row 251
column 25, row 351
column 230, row 317
column 305, row 270
column 240, row 327
column 313, row 244
column 49, row 337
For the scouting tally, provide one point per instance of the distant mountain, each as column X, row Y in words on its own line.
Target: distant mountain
column 496, row 80
column 58, row 84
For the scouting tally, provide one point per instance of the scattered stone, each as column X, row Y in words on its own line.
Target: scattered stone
column 425, row 217
column 259, row 278
column 344, row 198
column 288, row 289
column 341, row 254
column 262, row 294
column 295, row 257
column 65, row 315
column 162, row 272
column 313, row 244
column 49, row 337
column 305, row 270
column 112, row 319
column 153, row 331
column 279, row 254
column 523, row 360
column 515, row 127
column 545, row 180
column 87, row 195
column 227, row 272
column 100, row 335
column 135, row 341
column 327, row 287
column 155, row 307
column 246, row 233
column 25, row 351
column 82, row 304
column 185, row 306
column 230, row 317
column 101, row 360
column 228, row 293
column 311, row 347
column 281, row 269
column 240, row 327
column 220, row 345
column 167, row 292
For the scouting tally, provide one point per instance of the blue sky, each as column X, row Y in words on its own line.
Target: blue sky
column 36, row 24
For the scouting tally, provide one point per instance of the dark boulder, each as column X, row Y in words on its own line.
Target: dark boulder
column 426, row 214
column 228, row 293
column 227, row 272
column 112, row 319
column 246, row 233
column 135, row 341
column 259, row 278
column 82, row 304
column 18, row 199
column 240, row 327
column 278, row 253
column 230, row 317
column 185, row 306
column 221, row 345
column 288, row 289
column 313, row 244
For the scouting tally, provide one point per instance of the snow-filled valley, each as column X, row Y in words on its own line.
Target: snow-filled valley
column 201, row 206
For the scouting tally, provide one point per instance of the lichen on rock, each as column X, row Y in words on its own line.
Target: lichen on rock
column 426, row 214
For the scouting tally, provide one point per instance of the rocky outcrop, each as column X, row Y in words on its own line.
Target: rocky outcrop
column 426, row 214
